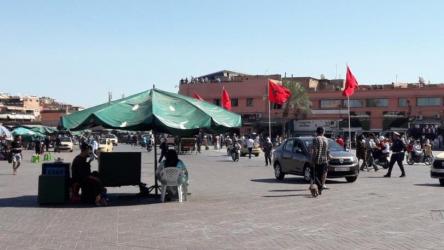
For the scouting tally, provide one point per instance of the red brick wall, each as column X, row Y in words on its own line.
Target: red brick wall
column 51, row 118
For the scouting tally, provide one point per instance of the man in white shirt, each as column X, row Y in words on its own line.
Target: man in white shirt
column 95, row 147
column 250, row 145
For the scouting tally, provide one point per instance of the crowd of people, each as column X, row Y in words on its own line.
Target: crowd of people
column 372, row 152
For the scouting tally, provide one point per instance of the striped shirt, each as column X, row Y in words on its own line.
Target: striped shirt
column 320, row 150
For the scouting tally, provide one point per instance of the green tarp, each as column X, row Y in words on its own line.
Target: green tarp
column 156, row 110
column 27, row 135
column 41, row 129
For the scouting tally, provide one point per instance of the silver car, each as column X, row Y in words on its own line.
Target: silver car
column 293, row 157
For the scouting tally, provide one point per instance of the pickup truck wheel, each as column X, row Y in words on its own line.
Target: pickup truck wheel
column 441, row 182
column 278, row 172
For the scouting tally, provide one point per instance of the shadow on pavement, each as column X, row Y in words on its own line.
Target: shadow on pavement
column 288, row 181
column 287, row 190
column 308, row 195
column 293, row 181
column 115, row 200
column 428, row 185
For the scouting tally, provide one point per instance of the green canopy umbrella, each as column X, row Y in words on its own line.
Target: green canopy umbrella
column 156, row 110
column 26, row 134
column 45, row 130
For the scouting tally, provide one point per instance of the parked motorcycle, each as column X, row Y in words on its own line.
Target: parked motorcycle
column 417, row 156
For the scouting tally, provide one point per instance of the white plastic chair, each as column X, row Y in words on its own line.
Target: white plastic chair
column 170, row 178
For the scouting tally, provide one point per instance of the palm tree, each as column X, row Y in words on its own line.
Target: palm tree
column 298, row 104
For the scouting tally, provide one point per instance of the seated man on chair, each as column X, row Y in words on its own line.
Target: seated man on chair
column 172, row 161
column 92, row 188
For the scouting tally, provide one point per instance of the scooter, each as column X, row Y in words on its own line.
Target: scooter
column 235, row 152
column 381, row 160
column 417, row 156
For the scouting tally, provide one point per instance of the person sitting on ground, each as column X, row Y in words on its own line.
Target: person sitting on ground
column 172, row 161
column 92, row 187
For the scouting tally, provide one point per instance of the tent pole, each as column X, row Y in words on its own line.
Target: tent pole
column 269, row 109
column 156, row 187
column 349, row 125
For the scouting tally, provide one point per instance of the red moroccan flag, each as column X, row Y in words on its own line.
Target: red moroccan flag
column 197, row 96
column 226, row 101
column 350, row 83
column 277, row 93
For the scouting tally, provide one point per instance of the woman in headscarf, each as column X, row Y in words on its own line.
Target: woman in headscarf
column 172, row 161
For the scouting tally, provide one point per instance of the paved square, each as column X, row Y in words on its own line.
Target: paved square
column 232, row 206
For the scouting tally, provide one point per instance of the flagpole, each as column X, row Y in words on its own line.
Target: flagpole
column 349, row 126
column 269, row 109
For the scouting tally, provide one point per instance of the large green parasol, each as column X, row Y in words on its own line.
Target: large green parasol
column 156, row 110
column 27, row 135
column 40, row 129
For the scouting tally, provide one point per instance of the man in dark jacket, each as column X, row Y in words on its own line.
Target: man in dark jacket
column 398, row 147
column 267, row 148
column 92, row 187
column 163, row 149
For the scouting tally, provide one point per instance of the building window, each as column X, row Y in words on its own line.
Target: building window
column 403, row 102
column 216, row 102
column 234, row 102
column 249, row 102
column 428, row 101
column 381, row 102
column 330, row 104
column 354, row 103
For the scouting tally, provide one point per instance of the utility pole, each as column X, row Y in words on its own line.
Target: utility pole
column 110, row 96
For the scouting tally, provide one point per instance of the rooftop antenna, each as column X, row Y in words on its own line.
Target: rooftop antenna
column 110, row 96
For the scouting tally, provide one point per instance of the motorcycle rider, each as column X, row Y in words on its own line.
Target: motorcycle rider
column 235, row 150
column 383, row 151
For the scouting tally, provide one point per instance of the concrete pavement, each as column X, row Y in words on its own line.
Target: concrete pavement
column 232, row 206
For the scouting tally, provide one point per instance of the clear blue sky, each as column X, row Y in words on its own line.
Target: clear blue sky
column 77, row 51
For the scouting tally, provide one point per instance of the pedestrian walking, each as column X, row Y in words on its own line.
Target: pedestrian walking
column 16, row 150
column 47, row 141
column 163, row 149
column 371, row 147
column 267, row 148
column 319, row 159
column 58, row 143
column 250, row 145
column 198, row 142
column 398, row 147
column 38, row 147
column 361, row 151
